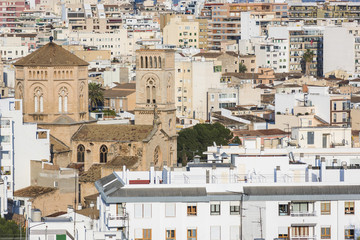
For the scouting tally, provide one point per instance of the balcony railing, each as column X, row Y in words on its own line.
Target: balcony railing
column 303, row 237
column 117, row 221
column 303, row 214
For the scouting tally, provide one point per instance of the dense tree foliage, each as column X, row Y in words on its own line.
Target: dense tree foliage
column 96, row 95
column 194, row 141
column 10, row 230
column 242, row 68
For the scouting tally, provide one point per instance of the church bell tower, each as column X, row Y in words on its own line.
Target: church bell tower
column 155, row 70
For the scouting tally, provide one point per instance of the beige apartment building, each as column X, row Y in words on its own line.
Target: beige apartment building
column 181, row 33
column 193, row 79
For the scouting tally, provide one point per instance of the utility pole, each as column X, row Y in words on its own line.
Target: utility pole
column 75, row 206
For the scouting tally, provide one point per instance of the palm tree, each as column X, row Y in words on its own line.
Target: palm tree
column 96, row 94
column 308, row 58
column 242, row 68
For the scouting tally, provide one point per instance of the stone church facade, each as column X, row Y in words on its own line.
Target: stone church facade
column 53, row 85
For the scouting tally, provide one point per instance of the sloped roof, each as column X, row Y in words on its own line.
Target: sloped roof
column 58, row 146
column 120, row 161
column 112, row 132
column 33, row 191
column 264, row 132
column 51, row 55
column 91, row 175
column 117, row 93
column 208, row 54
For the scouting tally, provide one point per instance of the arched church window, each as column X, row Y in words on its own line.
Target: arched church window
column 150, row 91
column 151, row 63
column 157, row 155
column 30, row 74
column 146, row 62
column 159, row 62
column 142, row 62
column 80, row 153
column 63, row 99
column 155, row 62
column 81, row 97
column 38, row 100
column 103, row 154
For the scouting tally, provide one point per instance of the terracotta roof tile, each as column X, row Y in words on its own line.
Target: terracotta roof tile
column 112, row 132
column 51, row 54
column 33, row 191
column 91, row 175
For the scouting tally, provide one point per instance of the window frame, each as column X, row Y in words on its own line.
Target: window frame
column 348, row 210
column 191, row 210
column 217, row 209
column 327, row 208
column 325, row 235
column 189, row 236
column 170, row 237
column 287, row 213
column 352, row 236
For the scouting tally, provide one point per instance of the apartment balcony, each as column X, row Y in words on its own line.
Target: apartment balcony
column 303, row 237
column 303, row 214
column 117, row 221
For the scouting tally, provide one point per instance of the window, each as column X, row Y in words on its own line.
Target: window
column 38, row 100
column 170, row 235
column 284, row 209
column 325, row 233
column 349, row 233
column 215, row 232
column 215, row 209
column 170, row 210
column 283, row 235
column 325, row 208
column 80, row 153
column 143, row 234
column 142, row 210
column 191, row 210
column 299, row 207
column 63, row 100
column 234, row 208
column 192, row 234
column 349, row 208
column 310, row 137
column 103, row 154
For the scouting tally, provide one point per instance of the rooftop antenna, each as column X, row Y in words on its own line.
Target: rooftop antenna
column 51, row 38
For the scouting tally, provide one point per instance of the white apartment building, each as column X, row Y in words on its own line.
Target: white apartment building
column 273, row 53
column 342, row 49
column 210, row 201
column 117, row 42
column 12, row 48
column 20, row 143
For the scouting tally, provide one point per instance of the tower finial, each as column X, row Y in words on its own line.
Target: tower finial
column 51, row 38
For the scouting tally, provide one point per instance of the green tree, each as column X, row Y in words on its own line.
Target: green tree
column 96, row 94
column 242, row 68
column 194, row 141
column 10, row 230
column 308, row 58
column 236, row 140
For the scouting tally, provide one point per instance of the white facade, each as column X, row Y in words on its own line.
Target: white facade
column 21, row 143
column 117, row 42
column 273, row 53
column 342, row 50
